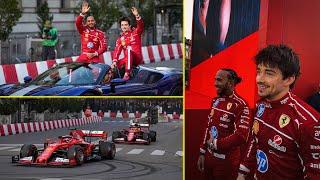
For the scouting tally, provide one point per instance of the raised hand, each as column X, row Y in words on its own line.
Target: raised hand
column 85, row 7
column 134, row 11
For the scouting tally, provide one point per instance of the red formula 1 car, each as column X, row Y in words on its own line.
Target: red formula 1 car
column 69, row 150
column 138, row 132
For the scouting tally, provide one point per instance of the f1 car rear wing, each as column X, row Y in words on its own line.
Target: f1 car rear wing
column 88, row 133
column 146, row 125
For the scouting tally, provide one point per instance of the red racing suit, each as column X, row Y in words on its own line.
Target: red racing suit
column 92, row 41
column 229, row 126
column 130, row 43
column 286, row 141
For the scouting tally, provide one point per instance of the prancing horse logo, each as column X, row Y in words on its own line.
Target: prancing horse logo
column 284, row 120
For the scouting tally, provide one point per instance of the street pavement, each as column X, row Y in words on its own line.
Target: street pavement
column 159, row 160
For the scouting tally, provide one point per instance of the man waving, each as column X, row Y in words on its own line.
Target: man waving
column 93, row 40
column 130, row 42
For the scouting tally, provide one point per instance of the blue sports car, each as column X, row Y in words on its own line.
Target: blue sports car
column 81, row 79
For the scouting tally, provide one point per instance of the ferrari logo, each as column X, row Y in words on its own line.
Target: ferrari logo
column 86, row 35
column 284, row 120
column 229, row 105
column 255, row 127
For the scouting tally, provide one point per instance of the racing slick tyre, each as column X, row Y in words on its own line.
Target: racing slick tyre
column 29, row 150
column 115, row 135
column 153, row 136
column 107, row 150
column 146, row 137
column 76, row 153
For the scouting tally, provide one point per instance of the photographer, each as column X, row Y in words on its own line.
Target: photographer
column 50, row 37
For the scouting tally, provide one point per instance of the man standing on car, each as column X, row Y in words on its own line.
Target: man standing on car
column 130, row 42
column 227, row 131
column 93, row 40
column 285, row 143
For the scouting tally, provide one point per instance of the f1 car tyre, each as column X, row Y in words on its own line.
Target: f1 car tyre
column 153, row 136
column 107, row 150
column 76, row 152
column 28, row 150
column 116, row 134
column 146, row 137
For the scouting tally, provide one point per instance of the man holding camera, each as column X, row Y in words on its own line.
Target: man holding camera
column 50, row 36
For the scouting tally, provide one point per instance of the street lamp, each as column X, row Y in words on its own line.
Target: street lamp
column 156, row 4
column 10, row 49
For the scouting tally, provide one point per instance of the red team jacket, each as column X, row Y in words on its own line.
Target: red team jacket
column 92, row 40
column 285, row 142
column 131, row 39
column 229, row 122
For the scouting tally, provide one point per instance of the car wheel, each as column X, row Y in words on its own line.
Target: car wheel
column 76, row 153
column 146, row 137
column 28, row 150
column 115, row 134
column 107, row 150
column 153, row 136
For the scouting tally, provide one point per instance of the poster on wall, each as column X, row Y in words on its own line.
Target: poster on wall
column 218, row 24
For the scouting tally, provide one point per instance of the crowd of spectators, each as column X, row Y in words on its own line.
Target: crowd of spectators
column 132, row 105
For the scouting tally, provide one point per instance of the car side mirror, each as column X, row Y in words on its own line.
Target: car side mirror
column 27, row 79
column 116, row 82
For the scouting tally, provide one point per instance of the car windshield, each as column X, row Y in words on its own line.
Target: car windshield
column 71, row 74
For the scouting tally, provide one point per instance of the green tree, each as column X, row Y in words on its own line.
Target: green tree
column 43, row 15
column 9, row 15
column 145, row 8
column 105, row 12
column 75, row 105
column 8, row 106
column 39, row 105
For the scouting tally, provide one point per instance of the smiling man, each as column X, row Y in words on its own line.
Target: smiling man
column 286, row 131
column 227, row 131
column 130, row 42
column 93, row 40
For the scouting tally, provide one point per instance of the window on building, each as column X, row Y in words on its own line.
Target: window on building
column 66, row 5
column 20, row 4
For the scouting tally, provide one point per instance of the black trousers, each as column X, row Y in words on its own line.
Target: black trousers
column 48, row 53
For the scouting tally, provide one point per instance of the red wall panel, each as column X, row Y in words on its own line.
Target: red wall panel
column 238, row 57
column 294, row 22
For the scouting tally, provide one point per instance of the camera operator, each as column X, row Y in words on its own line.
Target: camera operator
column 50, row 39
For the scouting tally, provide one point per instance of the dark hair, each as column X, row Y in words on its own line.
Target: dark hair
column 281, row 57
column 86, row 18
column 232, row 75
column 124, row 19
